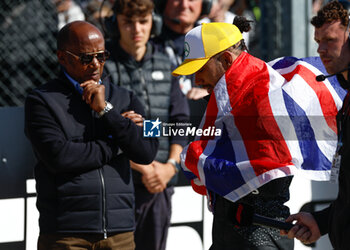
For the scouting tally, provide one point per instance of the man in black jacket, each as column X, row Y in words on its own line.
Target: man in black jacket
column 332, row 35
column 83, row 143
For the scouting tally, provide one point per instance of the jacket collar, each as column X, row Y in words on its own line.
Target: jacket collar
column 74, row 85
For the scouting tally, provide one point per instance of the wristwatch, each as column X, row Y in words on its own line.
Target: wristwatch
column 174, row 163
column 106, row 109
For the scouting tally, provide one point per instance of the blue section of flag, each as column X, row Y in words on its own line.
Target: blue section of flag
column 313, row 158
column 220, row 168
column 286, row 62
column 189, row 175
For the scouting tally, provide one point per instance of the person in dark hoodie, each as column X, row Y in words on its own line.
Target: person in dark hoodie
column 332, row 36
column 83, row 145
column 143, row 67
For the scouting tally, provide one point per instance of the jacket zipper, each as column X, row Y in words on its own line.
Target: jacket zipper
column 103, row 204
column 102, row 185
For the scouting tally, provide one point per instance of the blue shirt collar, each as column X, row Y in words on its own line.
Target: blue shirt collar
column 75, row 83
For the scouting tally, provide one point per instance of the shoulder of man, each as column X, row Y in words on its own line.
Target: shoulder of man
column 52, row 86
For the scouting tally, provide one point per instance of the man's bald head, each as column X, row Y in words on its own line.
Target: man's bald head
column 78, row 40
column 75, row 33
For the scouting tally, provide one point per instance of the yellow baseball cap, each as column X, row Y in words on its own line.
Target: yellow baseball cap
column 205, row 41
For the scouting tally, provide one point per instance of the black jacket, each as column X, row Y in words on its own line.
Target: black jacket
column 83, row 178
column 335, row 219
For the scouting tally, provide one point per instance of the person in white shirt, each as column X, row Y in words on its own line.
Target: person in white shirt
column 220, row 13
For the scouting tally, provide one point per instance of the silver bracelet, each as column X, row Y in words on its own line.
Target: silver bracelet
column 106, row 109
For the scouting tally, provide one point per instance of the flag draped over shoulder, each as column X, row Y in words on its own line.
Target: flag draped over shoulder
column 276, row 120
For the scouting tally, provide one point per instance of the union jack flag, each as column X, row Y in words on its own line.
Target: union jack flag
column 276, row 120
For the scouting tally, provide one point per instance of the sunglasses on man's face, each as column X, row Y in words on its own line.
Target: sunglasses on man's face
column 86, row 58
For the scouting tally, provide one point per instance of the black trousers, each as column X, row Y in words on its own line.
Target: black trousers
column 227, row 236
column 152, row 213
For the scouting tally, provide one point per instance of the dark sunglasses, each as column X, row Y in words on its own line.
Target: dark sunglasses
column 86, row 58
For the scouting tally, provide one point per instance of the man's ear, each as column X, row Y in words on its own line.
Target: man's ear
column 61, row 57
column 227, row 58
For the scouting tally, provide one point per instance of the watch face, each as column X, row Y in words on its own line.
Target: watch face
column 106, row 109
column 109, row 106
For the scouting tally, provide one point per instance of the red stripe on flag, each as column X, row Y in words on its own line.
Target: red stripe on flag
column 196, row 148
column 263, row 140
column 328, row 106
column 199, row 189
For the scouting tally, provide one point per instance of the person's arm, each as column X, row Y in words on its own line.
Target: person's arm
column 129, row 136
column 156, row 175
column 51, row 146
column 306, row 228
column 179, row 112
column 322, row 218
column 165, row 171
column 196, row 93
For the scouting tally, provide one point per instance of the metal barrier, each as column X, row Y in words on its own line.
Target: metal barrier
column 27, row 47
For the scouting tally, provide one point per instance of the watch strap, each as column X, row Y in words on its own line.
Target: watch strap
column 106, row 109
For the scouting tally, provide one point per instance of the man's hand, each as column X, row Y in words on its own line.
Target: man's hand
column 94, row 95
column 145, row 170
column 196, row 93
column 149, row 177
column 158, row 180
column 156, row 175
column 306, row 229
column 135, row 117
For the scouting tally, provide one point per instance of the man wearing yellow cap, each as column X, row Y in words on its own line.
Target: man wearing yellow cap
column 214, row 52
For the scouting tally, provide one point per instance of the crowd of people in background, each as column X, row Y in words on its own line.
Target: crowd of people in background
column 95, row 11
column 31, row 34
